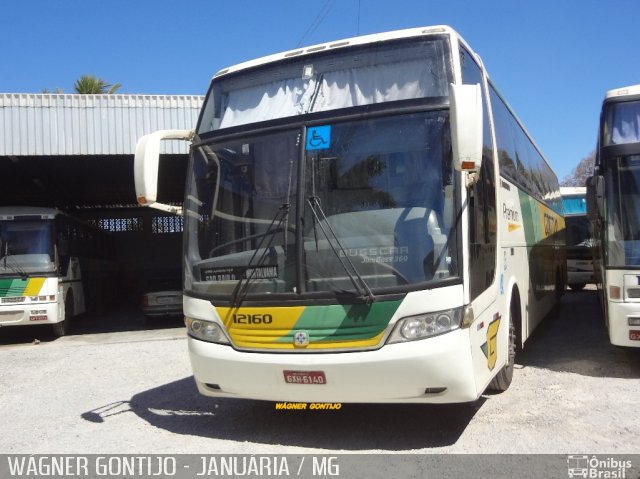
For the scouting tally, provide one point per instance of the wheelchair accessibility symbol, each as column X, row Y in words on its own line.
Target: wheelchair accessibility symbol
column 318, row 137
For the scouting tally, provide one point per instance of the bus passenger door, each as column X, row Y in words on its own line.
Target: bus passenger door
column 487, row 345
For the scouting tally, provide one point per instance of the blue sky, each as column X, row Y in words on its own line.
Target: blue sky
column 552, row 59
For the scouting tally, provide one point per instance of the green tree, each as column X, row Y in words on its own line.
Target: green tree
column 57, row 90
column 92, row 85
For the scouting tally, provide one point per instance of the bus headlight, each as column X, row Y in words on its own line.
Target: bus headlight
column 206, row 331
column 424, row 326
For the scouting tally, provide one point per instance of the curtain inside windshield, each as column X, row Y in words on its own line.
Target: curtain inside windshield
column 623, row 123
column 381, row 73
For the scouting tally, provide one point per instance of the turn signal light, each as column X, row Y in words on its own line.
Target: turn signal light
column 614, row 292
column 468, row 165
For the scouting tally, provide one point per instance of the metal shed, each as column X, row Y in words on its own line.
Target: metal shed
column 76, row 151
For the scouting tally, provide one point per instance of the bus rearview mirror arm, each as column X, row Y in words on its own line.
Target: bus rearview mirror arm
column 466, row 129
column 146, row 165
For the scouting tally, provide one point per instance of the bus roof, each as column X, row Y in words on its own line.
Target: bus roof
column 573, row 190
column 631, row 90
column 337, row 44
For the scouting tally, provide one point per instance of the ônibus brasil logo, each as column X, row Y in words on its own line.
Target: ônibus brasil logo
column 595, row 467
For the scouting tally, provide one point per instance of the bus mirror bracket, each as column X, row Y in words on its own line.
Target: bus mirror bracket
column 595, row 197
column 466, row 129
column 146, row 165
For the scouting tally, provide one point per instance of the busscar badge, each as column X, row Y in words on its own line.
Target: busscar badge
column 301, row 339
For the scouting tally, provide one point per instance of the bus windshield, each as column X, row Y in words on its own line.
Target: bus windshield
column 623, row 225
column 358, row 204
column 26, row 247
column 333, row 80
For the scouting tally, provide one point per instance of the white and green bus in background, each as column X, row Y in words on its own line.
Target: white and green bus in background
column 52, row 266
column 366, row 220
column 579, row 237
column 614, row 207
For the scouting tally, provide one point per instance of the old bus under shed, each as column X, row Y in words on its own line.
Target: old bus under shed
column 72, row 152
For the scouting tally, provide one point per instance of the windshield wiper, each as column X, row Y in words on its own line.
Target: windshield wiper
column 352, row 272
column 241, row 288
column 15, row 267
column 282, row 218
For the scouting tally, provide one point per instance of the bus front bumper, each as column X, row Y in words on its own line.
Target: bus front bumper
column 29, row 314
column 620, row 332
column 434, row 370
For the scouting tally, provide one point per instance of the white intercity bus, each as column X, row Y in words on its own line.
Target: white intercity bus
column 614, row 207
column 366, row 220
column 51, row 266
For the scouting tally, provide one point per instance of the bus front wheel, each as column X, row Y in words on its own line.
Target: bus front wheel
column 62, row 328
column 502, row 380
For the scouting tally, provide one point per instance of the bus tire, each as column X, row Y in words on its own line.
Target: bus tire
column 577, row 286
column 502, row 380
column 560, row 287
column 62, row 328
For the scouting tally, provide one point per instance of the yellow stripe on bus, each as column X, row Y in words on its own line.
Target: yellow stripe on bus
column 34, row 286
column 244, row 323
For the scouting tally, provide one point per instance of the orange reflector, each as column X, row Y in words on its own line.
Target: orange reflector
column 614, row 292
column 142, row 200
column 468, row 165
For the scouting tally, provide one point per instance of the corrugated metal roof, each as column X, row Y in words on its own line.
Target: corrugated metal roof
column 59, row 124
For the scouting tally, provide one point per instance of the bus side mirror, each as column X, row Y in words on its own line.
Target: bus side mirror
column 147, row 163
column 466, row 127
column 595, row 197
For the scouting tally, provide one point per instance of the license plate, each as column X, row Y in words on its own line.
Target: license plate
column 305, row 377
column 634, row 335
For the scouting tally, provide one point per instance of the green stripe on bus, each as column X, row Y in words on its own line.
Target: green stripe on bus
column 12, row 287
column 344, row 322
column 529, row 217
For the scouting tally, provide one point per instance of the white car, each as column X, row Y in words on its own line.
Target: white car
column 162, row 299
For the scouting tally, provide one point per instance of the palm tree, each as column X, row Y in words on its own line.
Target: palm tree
column 92, row 85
